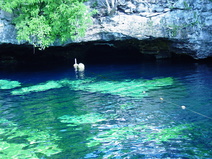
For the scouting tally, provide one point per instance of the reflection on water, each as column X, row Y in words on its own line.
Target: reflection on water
column 80, row 74
column 115, row 111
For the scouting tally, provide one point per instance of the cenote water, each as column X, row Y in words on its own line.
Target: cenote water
column 129, row 111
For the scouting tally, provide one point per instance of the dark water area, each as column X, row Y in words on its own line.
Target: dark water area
column 160, row 109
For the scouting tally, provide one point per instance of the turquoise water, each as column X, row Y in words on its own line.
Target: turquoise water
column 110, row 111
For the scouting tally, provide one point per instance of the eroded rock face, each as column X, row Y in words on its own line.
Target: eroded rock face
column 186, row 25
column 7, row 30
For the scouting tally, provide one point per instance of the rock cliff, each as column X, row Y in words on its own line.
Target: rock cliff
column 158, row 27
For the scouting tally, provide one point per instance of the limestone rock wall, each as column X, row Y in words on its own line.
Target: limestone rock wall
column 7, row 29
column 186, row 24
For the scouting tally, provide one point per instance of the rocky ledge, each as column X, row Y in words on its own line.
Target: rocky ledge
column 156, row 27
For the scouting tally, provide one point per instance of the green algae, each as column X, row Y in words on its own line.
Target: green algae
column 118, row 134
column 109, row 137
column 166, row 134
column 25, row 143
column 82, row 119
column 7, row 84
column 37, row 88
column 133, row 88
column 12, row 150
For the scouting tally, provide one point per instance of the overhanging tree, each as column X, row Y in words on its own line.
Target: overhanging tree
column 42, row 22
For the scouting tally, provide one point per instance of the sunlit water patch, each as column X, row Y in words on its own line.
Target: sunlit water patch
column 121, row 112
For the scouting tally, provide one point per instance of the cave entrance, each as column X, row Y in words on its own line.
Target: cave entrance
column 109, row 53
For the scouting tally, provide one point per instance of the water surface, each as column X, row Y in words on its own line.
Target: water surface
column 112, row 111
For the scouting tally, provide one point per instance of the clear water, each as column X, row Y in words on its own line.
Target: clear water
column 113, row 111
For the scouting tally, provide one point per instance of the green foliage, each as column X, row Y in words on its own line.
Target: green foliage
column 176, row 29
column 42, row 22
column 186, row 5
column 7, row 84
